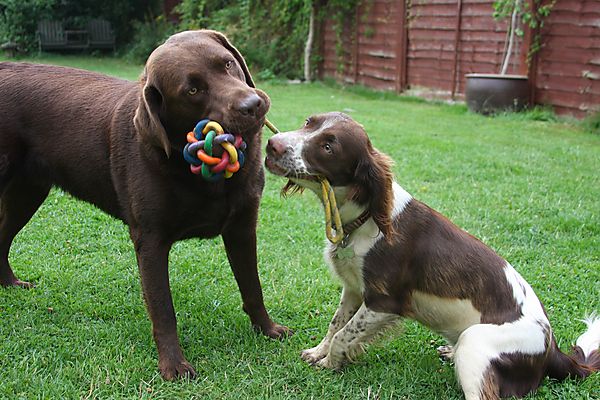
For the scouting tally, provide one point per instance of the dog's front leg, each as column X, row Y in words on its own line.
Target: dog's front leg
column 153, row 257
column 349, row 304
column 239, row 237
column 349, row 341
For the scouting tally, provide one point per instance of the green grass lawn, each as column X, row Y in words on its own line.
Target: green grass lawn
column 529, row 189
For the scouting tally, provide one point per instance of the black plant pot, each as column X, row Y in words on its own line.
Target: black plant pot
column 492, row 93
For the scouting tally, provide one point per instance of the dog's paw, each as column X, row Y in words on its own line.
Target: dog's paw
column 17, row 283
column 446, row 353
column 313, row 355
column 329, row 363
column 276, row 331
column 171, row 370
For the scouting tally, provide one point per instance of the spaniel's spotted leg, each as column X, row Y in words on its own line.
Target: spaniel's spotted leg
column 349, row 304
column 350, row 340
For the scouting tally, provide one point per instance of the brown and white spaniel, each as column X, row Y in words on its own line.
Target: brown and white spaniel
column 400, row 258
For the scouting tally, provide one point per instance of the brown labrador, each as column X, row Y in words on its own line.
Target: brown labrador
column 118, row 145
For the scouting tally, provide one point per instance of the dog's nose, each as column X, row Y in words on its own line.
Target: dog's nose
column 250, row 105
column 275, row 147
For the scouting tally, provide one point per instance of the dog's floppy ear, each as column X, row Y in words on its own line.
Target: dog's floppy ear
column 147, row 121
column 227, row 44
column 374, row 178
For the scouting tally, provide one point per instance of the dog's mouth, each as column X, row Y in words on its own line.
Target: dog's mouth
column 277, row 169
column 246, row 129
column 274, row 167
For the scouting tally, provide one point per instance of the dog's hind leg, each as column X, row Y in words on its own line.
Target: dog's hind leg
column 349, row 342
column 497, row 361
column 349, row 304
column 472, row 359
column 20, row 198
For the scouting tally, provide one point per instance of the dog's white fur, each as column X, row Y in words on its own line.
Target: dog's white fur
column 350, row 272
column 590, row 340
column 473, row 345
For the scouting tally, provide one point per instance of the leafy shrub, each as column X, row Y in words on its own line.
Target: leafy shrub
column 592, row 123
column 18, row 20
column 121, row 13
column 540, row 113
column 147, row 36
column 270, row 33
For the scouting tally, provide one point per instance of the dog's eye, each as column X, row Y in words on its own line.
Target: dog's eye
column 307, row 122
column 228, row 64
column 193, row 91
column 327, row 147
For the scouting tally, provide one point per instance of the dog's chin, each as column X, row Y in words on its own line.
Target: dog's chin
column 247, row 128
column 274, row 168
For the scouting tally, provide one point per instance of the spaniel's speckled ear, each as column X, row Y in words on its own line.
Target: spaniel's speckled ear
column 374, row 179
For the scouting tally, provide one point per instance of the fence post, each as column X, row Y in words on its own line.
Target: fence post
column 455, row 77
column 528, row 66
column 321, row 46
column 355, row 62
column 402, row 48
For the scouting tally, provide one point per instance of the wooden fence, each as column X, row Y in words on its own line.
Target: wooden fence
column 427, row 46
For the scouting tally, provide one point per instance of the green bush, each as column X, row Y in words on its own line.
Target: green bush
column 592, row 123
column 18, row 20
column 147, row 36
column 270, row 33
column 123, row 14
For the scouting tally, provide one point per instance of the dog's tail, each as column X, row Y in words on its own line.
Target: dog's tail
column 584, row 358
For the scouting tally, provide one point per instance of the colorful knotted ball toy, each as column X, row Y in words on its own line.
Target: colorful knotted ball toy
column 201, row 151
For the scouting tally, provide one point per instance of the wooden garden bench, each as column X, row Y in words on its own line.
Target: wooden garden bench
column 51, row 35
column 100, row 34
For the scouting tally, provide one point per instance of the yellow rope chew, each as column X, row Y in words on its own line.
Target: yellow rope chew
column 271, row 127
column 333, row 222
column 332, row 214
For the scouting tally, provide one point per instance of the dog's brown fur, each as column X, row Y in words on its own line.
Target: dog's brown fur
column 425, row 268
column 117, row 144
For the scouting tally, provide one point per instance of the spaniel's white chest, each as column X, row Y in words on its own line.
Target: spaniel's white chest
column 348, row 267
column 347, row 261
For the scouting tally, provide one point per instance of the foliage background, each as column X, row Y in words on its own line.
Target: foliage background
column 19, row 18
column 270, row 33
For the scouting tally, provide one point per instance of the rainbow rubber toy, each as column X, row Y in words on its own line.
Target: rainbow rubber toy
column 198, row 152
